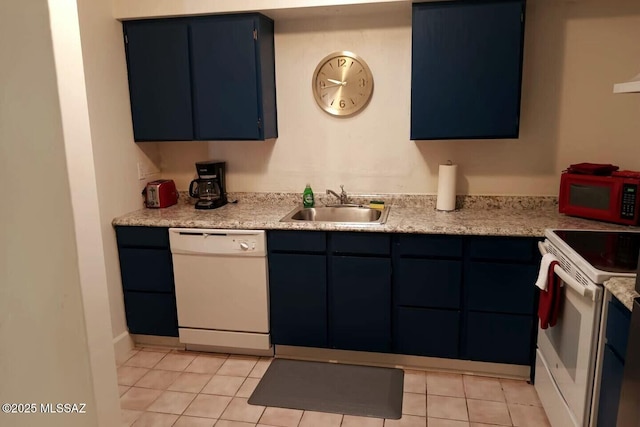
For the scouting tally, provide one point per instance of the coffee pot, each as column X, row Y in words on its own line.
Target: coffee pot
column 209, row 188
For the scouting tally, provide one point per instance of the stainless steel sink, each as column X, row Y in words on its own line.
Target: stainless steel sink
column 348, row 214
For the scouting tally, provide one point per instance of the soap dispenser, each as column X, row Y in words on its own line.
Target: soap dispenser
column 307, row 197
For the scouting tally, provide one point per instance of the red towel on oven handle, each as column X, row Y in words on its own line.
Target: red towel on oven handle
column 549, row 303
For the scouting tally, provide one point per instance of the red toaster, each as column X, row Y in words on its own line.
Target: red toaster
column 160, row 193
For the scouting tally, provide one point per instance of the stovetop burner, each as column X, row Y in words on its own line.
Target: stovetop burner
column 611, row 251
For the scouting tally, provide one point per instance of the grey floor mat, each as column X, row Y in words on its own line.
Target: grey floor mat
column 330, row 387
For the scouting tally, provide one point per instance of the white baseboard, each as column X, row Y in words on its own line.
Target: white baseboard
column 157, row 341
column 122, row 345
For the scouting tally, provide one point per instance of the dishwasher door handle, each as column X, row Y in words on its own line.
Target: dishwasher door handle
column 195, row 233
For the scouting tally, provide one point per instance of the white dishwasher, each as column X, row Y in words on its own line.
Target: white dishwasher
column 222, row 289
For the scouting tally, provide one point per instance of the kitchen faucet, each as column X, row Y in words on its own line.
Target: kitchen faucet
column 344, row 199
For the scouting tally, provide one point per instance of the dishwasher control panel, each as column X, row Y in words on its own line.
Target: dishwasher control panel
column 204, row 241
column 246, row 244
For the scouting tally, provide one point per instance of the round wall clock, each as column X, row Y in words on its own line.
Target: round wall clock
column 342, row 84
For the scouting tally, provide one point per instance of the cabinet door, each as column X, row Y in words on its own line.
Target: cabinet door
column 610, row 386
column 466, row 69
column 426, row 332
column 500, row 338
column 144, row 269
column 360, row 303
column 159, row 79
column 618, row 325
column 151, row 313
column 225, row 78
column 298, row 299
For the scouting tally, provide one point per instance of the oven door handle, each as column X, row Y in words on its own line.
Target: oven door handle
column 573, row 283
column 542, row 248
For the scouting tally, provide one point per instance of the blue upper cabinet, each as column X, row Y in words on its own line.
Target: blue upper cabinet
column 466, row 69
column 159, row 79
column 202, row 78
column 233, row 77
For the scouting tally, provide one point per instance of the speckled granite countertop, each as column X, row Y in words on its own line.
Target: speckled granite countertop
column 478, row 215
column 623, row 288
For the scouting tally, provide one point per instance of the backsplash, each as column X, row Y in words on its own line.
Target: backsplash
column 400, row 200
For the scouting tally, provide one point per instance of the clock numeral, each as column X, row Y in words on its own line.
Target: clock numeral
column 322, row 84
column 342, row 62
column 362, row 82
column 342, row 103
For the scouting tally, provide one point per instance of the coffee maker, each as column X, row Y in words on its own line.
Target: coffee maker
column 209, row 188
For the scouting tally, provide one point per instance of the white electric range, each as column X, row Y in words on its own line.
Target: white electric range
column 569, row 354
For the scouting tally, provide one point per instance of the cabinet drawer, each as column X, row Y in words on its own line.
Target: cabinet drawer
column 151, row 314
column 429, row 245
column 428, row 283
column 618, row 321
column 150, row 237
column 426, row 332
column 360, row 243
column 297, row 241
column 146, row 270
column 504, row 288
column 499, row 338
column 502, row 248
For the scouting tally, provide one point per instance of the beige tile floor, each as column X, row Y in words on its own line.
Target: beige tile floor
column 160, row 387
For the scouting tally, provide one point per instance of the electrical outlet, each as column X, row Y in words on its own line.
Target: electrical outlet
column 145, row 170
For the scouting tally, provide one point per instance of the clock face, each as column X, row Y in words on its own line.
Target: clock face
column 342, row 84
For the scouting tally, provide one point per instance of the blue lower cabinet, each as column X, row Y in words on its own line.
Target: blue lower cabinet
column 360, row 303
column 151, row 314
column 500, row 338
column 425, row 295
column 426, row 332
column 618, row 324
column 610, row 387
column 146, row 269
column 298, row 299
column 615, row 352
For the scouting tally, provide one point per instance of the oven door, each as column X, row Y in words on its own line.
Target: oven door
column 567, row 353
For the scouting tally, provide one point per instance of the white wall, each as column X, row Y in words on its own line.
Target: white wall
column 84, row 201
column 574, row 52
column 114, row 153
column 46, row 354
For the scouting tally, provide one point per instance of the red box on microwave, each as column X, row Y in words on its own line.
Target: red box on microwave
column 606, row 198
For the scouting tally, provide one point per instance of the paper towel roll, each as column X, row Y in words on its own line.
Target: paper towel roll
column 447, row 187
